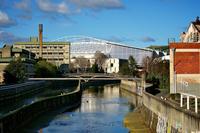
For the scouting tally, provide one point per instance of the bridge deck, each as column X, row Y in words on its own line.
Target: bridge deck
column 81, row 78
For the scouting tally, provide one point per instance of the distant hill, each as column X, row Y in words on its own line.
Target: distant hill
column 160, row 48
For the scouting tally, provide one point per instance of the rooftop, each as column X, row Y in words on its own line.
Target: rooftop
column 44, row 43
column 197, row 24
column 181, row 45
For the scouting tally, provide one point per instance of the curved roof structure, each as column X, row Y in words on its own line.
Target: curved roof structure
column 87, row 46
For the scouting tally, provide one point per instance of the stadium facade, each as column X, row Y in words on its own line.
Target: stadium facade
column 87, row 46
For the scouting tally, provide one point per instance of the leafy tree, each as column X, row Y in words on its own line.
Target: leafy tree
column 157, row 72
column 45, row 69
column 15, row 72
column 124, row 69
column 132, row 65
column 94, row 68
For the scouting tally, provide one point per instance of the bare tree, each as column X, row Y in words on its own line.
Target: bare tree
column 100, row 58
column 82, row 63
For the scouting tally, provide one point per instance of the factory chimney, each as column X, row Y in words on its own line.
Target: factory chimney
column 40, row 40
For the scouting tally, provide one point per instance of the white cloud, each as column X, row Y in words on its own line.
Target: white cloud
column 68, row 7
column 5, row 21
column 23, row 5
column 48, row 6
column 98, row 4
column 148, row 39
column 7, row 37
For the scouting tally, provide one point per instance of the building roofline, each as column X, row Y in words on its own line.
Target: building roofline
column 181, row 45
column 44, row 43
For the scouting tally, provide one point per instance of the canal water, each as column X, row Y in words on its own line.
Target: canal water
column 102, row 110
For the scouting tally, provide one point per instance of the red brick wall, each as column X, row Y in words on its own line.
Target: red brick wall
column 187, row 63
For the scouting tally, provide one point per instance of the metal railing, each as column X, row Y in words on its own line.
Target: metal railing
column 188, row 96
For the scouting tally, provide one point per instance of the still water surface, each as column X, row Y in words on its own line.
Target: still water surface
column 102, row 110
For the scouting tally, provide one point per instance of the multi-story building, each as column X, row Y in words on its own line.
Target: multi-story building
column 193, row 32
column 185, row 62
column 185, row 68
column 9, row 53
column 57, row 53
column 112, row 65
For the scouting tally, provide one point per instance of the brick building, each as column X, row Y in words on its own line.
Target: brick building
column 185, row 68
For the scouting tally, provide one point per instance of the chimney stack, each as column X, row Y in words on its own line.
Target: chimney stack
column 40, row 39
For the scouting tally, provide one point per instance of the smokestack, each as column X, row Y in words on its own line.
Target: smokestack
column 40, row 39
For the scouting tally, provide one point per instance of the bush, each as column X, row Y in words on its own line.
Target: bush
column 45, row 69
column 124, row 70
column 15, row 72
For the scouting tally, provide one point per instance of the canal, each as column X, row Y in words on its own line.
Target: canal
column 102, row 109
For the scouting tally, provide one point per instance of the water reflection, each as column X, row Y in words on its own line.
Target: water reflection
column 102, row 110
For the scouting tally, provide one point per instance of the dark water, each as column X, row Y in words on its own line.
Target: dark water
column 102, row 110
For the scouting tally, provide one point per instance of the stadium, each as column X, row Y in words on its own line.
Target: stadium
column 87, row 46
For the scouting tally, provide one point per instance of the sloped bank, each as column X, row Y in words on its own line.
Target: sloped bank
column 15, row 120
column 10, row 93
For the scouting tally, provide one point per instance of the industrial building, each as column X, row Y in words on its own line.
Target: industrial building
column 57, row 53
column 9, row 53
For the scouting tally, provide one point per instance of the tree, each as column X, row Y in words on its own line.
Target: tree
column 157, row 72
column 94, row 68
column 124, row 70
column 132, row 65
column 82, row 63
column 100, row 59
column 45, row 69
column 15, row 72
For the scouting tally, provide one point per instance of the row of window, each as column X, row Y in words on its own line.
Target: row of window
column 194, row 37
column 55, row 59
column 45, row 47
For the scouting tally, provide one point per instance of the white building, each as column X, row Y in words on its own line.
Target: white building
column 112, row 65
column 193, row 32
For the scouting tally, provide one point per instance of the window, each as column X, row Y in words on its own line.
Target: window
column 111, row 65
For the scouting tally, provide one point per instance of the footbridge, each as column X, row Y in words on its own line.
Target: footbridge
column 86, row 79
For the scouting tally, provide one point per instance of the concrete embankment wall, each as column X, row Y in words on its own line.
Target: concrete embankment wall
column 163, row 116
column 9, row 93
column 12, row 121
column 133, row 86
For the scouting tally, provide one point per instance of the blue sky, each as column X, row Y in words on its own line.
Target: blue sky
column 134, row 22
